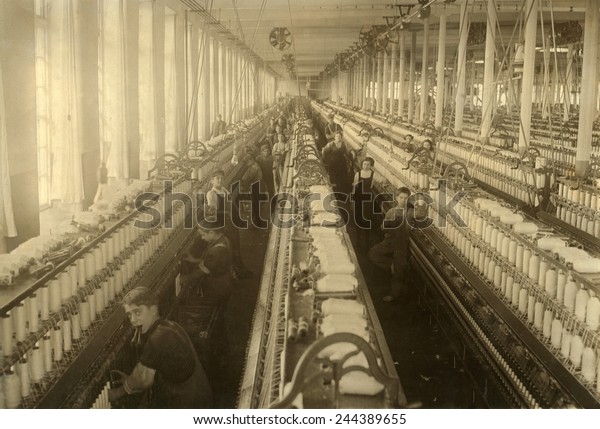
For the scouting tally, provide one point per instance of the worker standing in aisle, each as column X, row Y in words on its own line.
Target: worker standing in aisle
column 218, row 127
column 167, row 368
column 223, row 206
column 363, row 200
column 267, row 164
column 338, row 162
column 332, row 127
column 250, row 182
column 392, row 253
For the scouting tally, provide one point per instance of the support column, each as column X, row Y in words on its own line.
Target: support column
column 546, row 90
column 386, row 83
column 461, row 70
column 372, row 80
column 363, row 80
column 568, row 83
column 531, row 12
column 489, row 88
column 204, row 97
column 589, row 86
column 401, row 73
column 393, row 78
column 441, row 83
column 411, row 77
column 424, row 110
column 379, row 92
column 472, row 82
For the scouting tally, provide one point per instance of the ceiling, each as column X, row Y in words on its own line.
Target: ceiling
column 322, row 28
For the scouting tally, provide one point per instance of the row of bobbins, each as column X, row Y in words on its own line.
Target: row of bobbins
column 543, row 310
column 100, row 286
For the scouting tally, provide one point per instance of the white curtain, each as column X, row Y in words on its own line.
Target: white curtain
column 7, row 221
column 147, row 109
column 113, row 101
column 65, row 134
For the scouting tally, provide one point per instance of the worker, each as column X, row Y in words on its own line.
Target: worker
column 267, row 163
column 221, row 206
column 362, row 197
column 218, row 127
column 332, row 127
column 250, row 183
column 167, row 369
column 337, row 161
column 391, row 254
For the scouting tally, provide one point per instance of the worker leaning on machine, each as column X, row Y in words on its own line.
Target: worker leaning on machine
column 168, row 370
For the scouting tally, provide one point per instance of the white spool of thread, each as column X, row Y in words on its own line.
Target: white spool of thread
column 531, row 309
column 519, row 257
column 592, row 313
column 111, row 291
column 576, row 351
column 557, row 329
column 80, row 272
column 118, row 281
column 550, row 281
column 84, row 314
column 75, row 326
column 90, row 266
column 7, row 334
column 512, row 251
column 516, row 292
column 110, row 249
column 503, row 277
column 488, row 233
column 500, row 242
column 91, row 299
column 23, row 371
column 505, row 250
column 99, row 299
column 476, row 255
column 20, row 321
column 54, row 289
column 581, row 301
column 547, row 324
column 73, row 272
column 526, row 258
column 64, row 280
column 33, row 317
column 509, row 287
column 44, row 302
column 571, row 290
column 57, row 343
column 98, row 262
column 560, row 286
column 497, row 276
column 538, row 315
column 12, row 389
column 488, row 266
column 67, row 335
column 565, row 346
column 534, row 267
column 36, row 363
column 588, row 364
column 523, row 298
column 47, row 352
column 494, row 238
column 544, row 265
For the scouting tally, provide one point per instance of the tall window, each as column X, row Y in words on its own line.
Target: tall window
column 147, row 114
column 42, row 112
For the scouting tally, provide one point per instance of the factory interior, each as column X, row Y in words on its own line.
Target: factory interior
column 324, row 204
